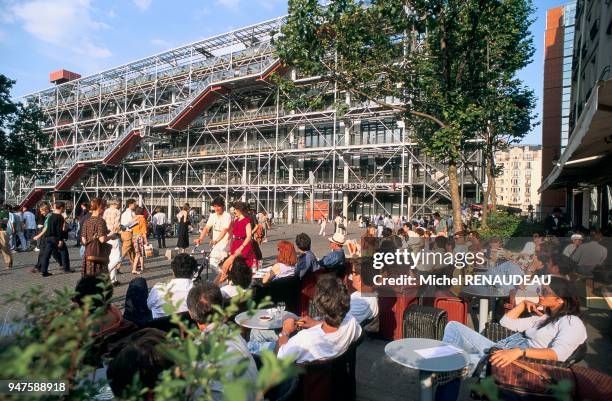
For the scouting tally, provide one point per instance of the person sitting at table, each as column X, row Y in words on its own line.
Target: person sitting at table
column 494, row 252
column 553, row 334
column 200, row 302
column 321, row 339
column 138, row 355
column 533, row 246
column 560, row 266
column 475, row 243
column 577, row 240
column 183, row 267
column 364, row 301
column 239, row 276
column 306, row 260
column 136, row 309
column 335, row 259
column 286, row 260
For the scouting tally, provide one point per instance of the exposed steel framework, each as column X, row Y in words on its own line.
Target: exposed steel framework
column 204, row 119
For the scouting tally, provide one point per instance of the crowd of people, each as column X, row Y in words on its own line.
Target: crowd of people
column 345, row 300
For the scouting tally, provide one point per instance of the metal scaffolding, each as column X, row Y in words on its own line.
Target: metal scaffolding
column 203, row 119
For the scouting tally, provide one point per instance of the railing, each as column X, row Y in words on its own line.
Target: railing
column 219, row 77
column 234, row 58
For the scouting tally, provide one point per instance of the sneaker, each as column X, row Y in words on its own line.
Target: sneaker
column 47, row 274
column 36, row 249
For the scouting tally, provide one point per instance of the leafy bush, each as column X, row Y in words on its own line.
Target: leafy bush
column 57, row 338
column 501, row 224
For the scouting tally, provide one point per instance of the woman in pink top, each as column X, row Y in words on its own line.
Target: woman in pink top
column 242, row 232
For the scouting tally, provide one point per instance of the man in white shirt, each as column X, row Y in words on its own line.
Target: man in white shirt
column 127, row 248
column 321, row 339
column 364, row 301
column 30, row 224
column 591, row 254
column 200, row 301
column 577, row 240
column 220, row 222
column 159, row 221
column 112, row 217
column 183, row 266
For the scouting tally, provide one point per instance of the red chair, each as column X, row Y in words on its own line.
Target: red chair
column 391, row 313
column 456, row 308
column 307, row 291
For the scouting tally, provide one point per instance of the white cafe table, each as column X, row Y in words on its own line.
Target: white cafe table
column 257, row 320
column 403, row 353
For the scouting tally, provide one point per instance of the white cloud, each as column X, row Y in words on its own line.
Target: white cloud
column 229, row 4
column 67, row 24
column 143, row 5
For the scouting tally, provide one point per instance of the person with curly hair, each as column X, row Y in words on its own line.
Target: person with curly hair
column 239, row 276
column 326, row 338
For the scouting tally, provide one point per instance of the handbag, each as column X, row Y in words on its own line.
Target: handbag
column 98, row 252
column 526, row 378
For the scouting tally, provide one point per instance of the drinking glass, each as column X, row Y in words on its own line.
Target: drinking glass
column 280, row 306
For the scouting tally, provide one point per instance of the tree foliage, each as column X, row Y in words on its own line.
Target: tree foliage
column 21, row 136
column 444, row 60
column 55, row 342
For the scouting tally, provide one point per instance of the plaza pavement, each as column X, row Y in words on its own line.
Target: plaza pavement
column 378, row 378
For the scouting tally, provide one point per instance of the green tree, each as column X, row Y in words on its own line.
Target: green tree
column 507, row 48
column 55, row 342
column 429, row 54
column 21, row 135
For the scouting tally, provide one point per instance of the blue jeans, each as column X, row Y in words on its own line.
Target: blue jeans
column 262, row 339
column 475, row 344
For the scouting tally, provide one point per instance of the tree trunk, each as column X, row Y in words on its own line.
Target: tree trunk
column 492, row 178
column 489, row 193
column 453, row 183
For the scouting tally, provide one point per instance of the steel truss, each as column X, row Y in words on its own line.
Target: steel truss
column 202, row 120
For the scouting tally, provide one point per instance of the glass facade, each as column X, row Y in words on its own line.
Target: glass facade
column 569, row 20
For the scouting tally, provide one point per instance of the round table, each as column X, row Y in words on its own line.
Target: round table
column 484, row 292
column 254, row 322
column 403, row 353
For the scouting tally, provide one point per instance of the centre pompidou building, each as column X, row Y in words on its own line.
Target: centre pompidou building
column 206, row 119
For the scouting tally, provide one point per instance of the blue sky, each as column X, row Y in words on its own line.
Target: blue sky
column 87, row 36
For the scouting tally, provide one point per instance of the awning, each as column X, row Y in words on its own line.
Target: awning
column 589, row 145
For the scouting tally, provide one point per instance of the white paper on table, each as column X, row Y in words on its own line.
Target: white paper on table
column 437, row 352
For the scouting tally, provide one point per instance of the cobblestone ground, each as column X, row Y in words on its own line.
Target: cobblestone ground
column 157, row 268
column 378, row 378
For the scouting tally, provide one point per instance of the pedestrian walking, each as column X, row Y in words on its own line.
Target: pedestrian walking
column 94, row 236
column 159, row 221
column 4, row 246
column 219, row 222
column 127, row 246
column 323, row 224
column 18, row 230
column 139, row 240
column 29, row 220
column 53, row 240
column 112, row 217
column 182, row 217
